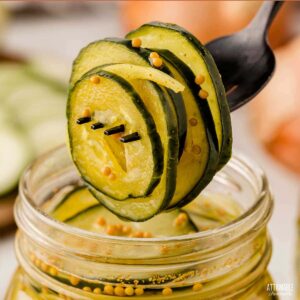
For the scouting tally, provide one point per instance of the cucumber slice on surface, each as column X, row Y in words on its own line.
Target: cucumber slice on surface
column 47, row 134
column 15, row 153
column 26, row 103
column 34, row 104
column 93, row 150
column 187, row 48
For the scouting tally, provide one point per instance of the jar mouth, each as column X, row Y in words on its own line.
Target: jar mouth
column 237, row 162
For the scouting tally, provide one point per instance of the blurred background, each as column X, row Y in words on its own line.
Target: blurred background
column 39, row 40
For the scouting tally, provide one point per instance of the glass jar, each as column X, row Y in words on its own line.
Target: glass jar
column 58, row 261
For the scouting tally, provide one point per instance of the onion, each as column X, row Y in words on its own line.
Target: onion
column 276, row 110
column 206, row 19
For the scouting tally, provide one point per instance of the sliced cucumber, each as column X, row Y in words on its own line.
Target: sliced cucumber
column 157, row 103
column 218, row 207
column 133, row 72
column 74, row 203
column 15, row 153
column 202, row 126
column 198, row 167
column 32, row 122
column 161, row 225
column 11, row 75
column 47, row 134
column 181, row 117
column 33, row 102
column 92, row 149
column 80, row 209
column 187, row 48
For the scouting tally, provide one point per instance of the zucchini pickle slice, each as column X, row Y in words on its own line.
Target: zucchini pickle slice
column 73, row 203
column 132, row 72
column 199, row 159
column 120, row 51
column 104, row 161
column 187, row 48
column 80, row 209
column 159, row 157
column 139, row 209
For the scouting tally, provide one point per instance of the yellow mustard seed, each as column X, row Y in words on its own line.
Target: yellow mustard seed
column 106, row 171
column 136, row 43
column 138, row 234
column 111, row 230
column 87, row 289
column 86, row 113
column 117, row 136
column 108, row 290
column 203, row 94
column 193, row 122
column 167, row 291
column 112, row 176
column 147, row 235
column 126, row 229
column 177, row 222
column 74, row 280
column 196, row 149
column 101, row 221
column 164, row 249
column 157, row 62
column 97, row 291
column 183, row 216
column 199, row 79
column 119, row 291
column 181, row 219
column 119, row 227
column 154, row 55
column 129, row 291
column 53, row 271
column 139, row 291
column 197, row 287
column 95, row 79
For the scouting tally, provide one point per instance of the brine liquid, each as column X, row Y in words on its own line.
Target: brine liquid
column 205, row 213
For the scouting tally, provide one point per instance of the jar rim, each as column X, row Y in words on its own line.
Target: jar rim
column 237, row 160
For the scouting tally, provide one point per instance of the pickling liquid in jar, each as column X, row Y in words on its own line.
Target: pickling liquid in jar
column 70, row 247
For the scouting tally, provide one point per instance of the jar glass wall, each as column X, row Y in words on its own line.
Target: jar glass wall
column 58, row 261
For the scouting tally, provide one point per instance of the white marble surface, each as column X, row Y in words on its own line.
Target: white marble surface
column 62, row 38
